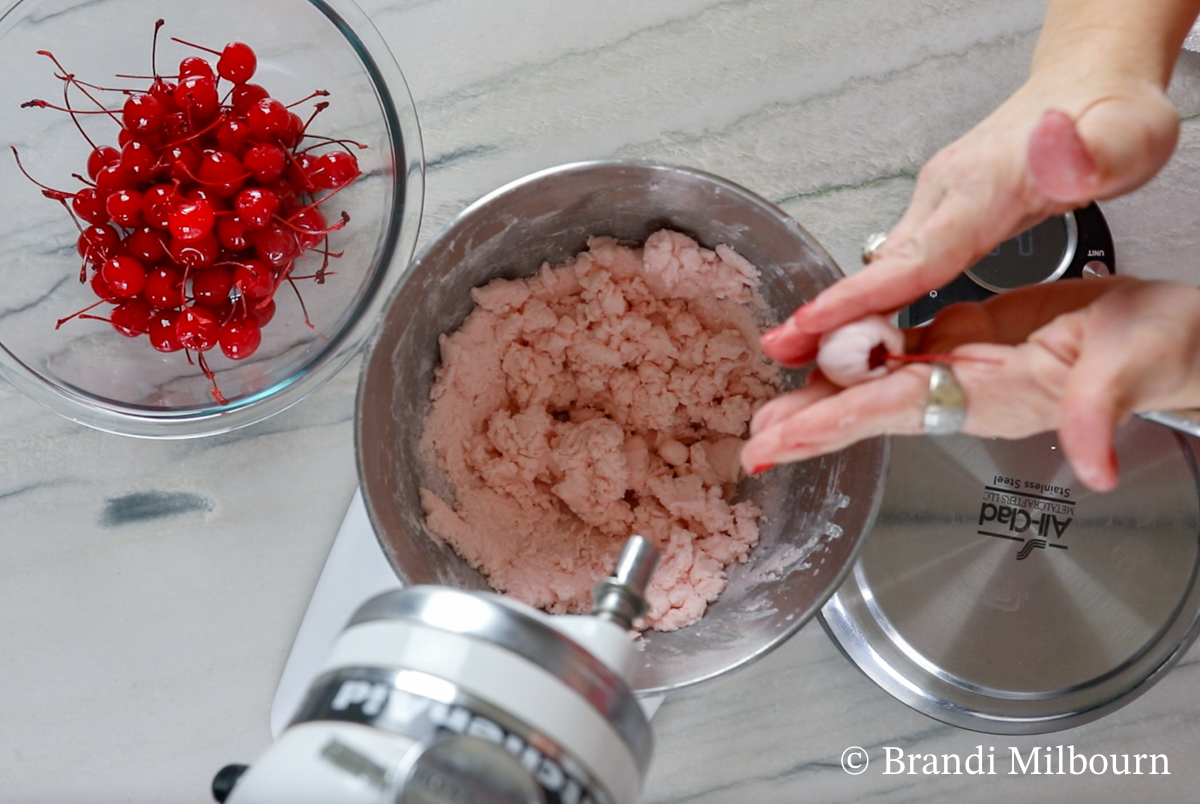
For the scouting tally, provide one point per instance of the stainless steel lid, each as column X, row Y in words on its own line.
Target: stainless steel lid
column 996, row 593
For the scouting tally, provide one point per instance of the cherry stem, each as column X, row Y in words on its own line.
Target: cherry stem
column 54, row 195
column 154, row 48
column 331, row 141
column 288, row 223
column 303, row 309
column 97, row 87
column 214, row 124
column 944, row 359
column 320, row 93
column 41, row 104
column 74, row 119
column 212, row 378
column 69, row 76
column 198, row 47
column 322, row 106
column 81, row 313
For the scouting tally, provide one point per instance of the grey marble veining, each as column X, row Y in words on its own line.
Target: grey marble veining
column 149, row 592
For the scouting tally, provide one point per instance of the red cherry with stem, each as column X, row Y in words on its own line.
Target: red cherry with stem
column 90, row 205
column 240, row 337
column 197, row 95
column 232, row 135
column 158, row 203
column 232, row 233
column 164, row 92
column 211, row 286
column 101, row 156
column 254, row 279
column 311, row 225
column 97, row 244
column 192, row 220
column 246, row 95
column 143, row 114
column 112, row 178
column 268, row 119
column 139, row 160
column 124, row 137
column 237, row 63
column 298, row 173
column 197, row 329
column 132, row 317
column 223, row 310
column 102, row 290
column 181, row 161
column 276, row 245
column 177, row 127
column 222, row 172
column 265, row 162
column 164, row 287
column 198, row 253
column 293, row 133
column 194, row 66
column 286, row 193
column 264, row 311
column 124, row 276
column 125, row 207
column 206, row 193
column 334, row 170
column 146, row 244
column 255, row 206
column 162, row 331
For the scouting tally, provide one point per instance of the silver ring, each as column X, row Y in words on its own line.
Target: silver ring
column 946, row 404
column 872, row 245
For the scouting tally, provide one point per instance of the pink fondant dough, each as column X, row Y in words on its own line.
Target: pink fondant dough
column 600, row 398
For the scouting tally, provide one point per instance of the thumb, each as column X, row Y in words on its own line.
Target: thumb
column 1115, row 146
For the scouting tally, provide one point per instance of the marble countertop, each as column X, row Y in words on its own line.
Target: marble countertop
column 150, row 591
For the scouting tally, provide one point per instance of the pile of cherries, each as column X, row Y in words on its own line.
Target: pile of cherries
column 193, row 222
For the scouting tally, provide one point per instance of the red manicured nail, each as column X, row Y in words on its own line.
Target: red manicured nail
column 804, row 311
column 770, row 337
column 762, row 467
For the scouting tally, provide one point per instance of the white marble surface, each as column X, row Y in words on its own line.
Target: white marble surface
column 143, row 636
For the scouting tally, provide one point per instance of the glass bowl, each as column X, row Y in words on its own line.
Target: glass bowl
column 86, row 370
column 816, row 513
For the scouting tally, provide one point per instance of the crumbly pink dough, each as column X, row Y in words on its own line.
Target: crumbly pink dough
column 601, row 398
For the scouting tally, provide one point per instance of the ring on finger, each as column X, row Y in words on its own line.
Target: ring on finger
column 872, row 245
column 945, row 404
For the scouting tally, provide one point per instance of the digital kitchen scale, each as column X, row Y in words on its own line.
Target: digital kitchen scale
column 1077, row 244
column 995, row 591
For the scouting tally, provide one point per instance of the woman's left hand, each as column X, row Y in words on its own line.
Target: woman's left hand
column 1080, row 356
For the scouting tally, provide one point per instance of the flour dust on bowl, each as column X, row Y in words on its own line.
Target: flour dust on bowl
column 998, row 594
column 815, row 514
column 88, row 371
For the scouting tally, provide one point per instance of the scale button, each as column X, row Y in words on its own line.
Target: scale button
column 1094, row 269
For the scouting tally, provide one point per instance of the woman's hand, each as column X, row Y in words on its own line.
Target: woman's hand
column 1052, row 146
column 1080, row 356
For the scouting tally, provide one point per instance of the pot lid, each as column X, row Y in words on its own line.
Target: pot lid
column 999, row 594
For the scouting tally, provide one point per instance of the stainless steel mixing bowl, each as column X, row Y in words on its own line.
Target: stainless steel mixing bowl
column 817, row 513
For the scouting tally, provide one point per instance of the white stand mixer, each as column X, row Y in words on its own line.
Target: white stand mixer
column 439, row 696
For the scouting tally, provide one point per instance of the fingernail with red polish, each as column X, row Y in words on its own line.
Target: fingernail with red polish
column 770, row 337
column 806, row 310
column 762, row 467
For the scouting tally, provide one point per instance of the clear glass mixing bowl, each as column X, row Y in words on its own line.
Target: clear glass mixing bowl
column 86, row 370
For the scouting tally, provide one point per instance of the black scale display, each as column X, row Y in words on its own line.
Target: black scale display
column 1066, row 246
